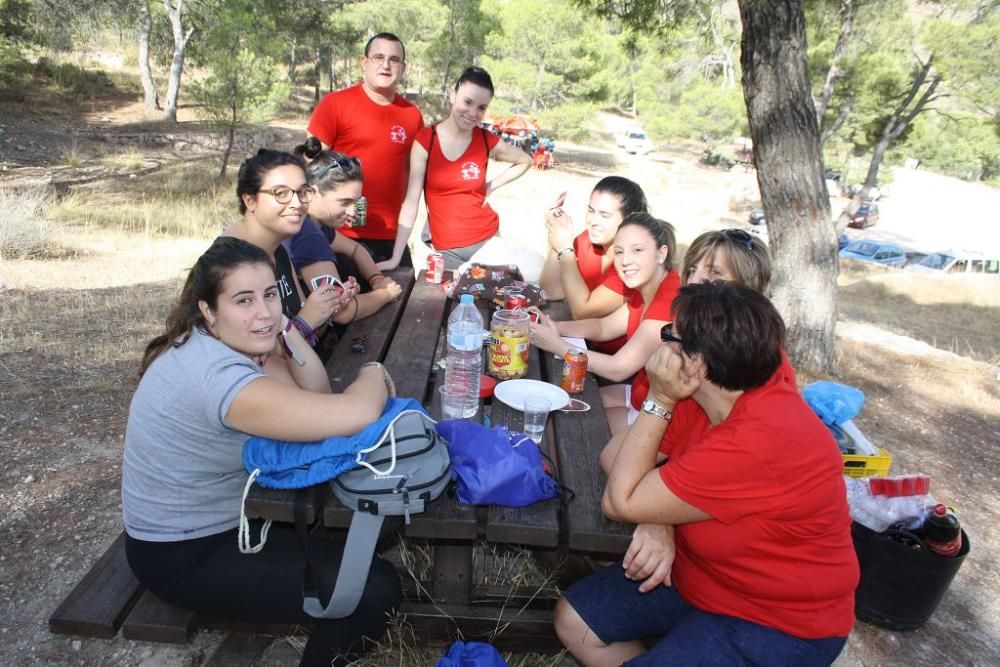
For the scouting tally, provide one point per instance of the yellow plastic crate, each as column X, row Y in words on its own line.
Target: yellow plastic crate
column 859, row 465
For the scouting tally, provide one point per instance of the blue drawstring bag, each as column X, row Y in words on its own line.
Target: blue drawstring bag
column 492, row 466
column 471, row 654
column 834, row 403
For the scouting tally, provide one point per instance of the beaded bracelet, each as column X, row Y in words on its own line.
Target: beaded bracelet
column 306, row 330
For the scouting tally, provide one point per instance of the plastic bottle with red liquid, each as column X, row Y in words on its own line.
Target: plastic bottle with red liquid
column 942, row 532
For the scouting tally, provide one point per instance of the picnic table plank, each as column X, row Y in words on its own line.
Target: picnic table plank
column 536, row 524
column 155, row 620
column 579, row 438
column 410, row 360
column 379, row 328
column 99, row 603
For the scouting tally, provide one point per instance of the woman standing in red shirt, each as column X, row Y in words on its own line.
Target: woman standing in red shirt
column 643, row 252
column 752, row 495
column 448, row 164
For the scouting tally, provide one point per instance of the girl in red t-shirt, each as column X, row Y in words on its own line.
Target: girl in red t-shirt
column 448, row 164
column 643, row 250
column 580, row 268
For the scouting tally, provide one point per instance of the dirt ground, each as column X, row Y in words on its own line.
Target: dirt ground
column 71, row 330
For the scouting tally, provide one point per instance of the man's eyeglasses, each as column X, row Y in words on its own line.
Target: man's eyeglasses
column 343, row 164
column 381, row 58
column 667, row 334
column 739, row 236
column 283, row 195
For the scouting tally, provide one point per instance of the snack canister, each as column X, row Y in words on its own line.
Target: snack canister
column 574, row 372
column 360, row 212
column 510, row 343
column 435, row 268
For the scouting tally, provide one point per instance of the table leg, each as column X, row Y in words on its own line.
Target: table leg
column 452, row 572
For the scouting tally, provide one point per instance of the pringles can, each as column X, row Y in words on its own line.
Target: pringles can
column 360, row 212
column 435, row 268
column 574, row 371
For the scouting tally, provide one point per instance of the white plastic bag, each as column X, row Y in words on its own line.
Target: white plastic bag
column 501, row 251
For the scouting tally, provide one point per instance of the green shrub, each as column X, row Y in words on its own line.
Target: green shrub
column 569, row 121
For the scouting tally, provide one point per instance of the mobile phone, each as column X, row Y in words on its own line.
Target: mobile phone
column 324, row 280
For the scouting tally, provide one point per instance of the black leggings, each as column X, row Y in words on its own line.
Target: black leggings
column 210, row 575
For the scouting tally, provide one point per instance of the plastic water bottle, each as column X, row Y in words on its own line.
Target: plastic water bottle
column 465, row 353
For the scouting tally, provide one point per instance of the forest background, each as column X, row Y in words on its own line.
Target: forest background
column 239, row 61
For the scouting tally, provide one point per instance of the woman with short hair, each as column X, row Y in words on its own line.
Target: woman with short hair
column 752, row 496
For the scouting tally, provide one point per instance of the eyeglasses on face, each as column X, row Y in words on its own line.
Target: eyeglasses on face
column 667, row 334
column 283, row 194
column 343, row 164
column 381, row 58
column 739, row 236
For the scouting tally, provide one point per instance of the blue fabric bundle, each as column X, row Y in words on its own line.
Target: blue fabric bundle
column 492, row 466
column 471, row 654
column 296, row 465
column 834, row 403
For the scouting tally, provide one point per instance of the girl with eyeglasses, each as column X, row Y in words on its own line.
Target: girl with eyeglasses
column 643, row 252
column 274, row 195
column 319, row 249
column 448, row 164
column 217, row 375
column 580, row 268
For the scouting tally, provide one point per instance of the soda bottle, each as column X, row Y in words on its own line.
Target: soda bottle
column 464, row 362
column 942, row 533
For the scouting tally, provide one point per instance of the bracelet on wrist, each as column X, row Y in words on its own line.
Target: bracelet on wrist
column 565, row 251
column 306, row 330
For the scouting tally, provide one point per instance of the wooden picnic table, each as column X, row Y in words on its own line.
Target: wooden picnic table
column 408, row 337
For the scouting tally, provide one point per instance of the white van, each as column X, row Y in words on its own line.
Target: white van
column 958, row 261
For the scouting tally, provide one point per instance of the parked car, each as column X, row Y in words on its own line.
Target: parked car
column 865, row 216
column 958, row 261
column 635, row 141
column 875, row 251
column 757, row 217
column 854, row 190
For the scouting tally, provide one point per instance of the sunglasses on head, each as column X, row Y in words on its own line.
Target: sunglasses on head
column 344, row 164
column 739, row 236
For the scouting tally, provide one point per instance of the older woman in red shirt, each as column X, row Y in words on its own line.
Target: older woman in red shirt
column 751, row 495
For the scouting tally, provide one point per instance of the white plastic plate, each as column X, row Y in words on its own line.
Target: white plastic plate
column 512, row 392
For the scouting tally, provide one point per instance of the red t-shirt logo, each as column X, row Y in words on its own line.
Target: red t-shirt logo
column 397, row 135
column 470, row 171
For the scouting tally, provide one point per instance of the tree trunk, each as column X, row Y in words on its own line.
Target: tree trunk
column 789, row 163
column 150, row 96
column 229, row 145
column 177, row 63
column 835, row 72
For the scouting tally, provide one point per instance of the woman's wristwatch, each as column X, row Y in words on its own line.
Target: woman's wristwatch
column 651, row 407
column 559, row 255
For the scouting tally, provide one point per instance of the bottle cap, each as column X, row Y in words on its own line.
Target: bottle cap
column 466, row 298
column 486, row 386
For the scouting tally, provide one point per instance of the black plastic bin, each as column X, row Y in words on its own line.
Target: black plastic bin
column 901, row 584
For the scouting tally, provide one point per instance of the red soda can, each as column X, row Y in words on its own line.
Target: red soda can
column 516, row 301
column 574, row 371
column 435, row 268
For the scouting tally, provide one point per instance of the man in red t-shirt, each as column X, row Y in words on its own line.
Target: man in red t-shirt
column 746, row 524
column 372, row 122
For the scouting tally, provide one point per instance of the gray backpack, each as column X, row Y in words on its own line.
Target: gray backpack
column 406, row 468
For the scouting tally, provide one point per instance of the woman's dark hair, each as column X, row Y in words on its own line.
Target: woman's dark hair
column 204, row 283
column 254, row 169
column 387, row 36
column 631, row 198
column 327, row 169
column 735, row 328
column 477, row 76
column 661, row 231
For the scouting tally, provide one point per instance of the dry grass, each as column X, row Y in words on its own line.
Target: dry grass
column 959, row 314
column 24, row 229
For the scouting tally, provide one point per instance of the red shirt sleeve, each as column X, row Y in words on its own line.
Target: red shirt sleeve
column 323, row 122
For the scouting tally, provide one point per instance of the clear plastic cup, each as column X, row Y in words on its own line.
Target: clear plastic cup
column 536, row 411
